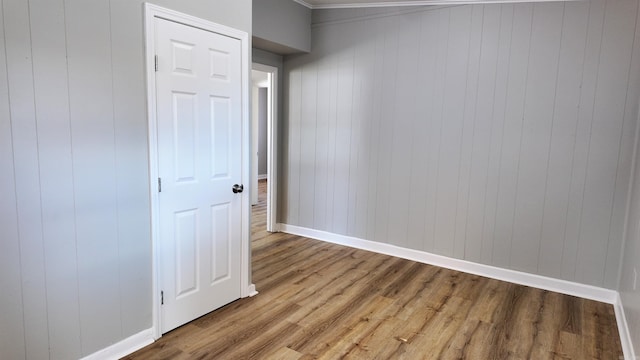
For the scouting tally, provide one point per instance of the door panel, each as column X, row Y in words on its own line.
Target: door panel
column 186, row 223
column 198, row 90
column 220, row 128
column 186, row 139
column 220, row 219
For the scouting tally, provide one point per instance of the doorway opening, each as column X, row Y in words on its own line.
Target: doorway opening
column 264, row 116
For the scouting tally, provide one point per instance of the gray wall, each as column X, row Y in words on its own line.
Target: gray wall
column 498, row 134
column 75, row 250
column 262, row 131
column 281, row 26
column 631, row 261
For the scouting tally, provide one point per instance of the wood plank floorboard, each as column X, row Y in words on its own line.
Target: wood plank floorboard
column 324, row 301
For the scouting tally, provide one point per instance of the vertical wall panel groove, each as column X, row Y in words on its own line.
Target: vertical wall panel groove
column 307, row 144
column 457, row 58
column 331, row 140
column 354, row 133
column 498, row 133
column 376, row 89
column 589, row 137
column 365, row 146
column 549, row 267
column 471, row 249
column 537, row 121
column 402, row 136
column 479, row 142
column 342, row 134
column 515, row 240
column 27, row 177
column 321, row 139
column 440, row 45
column 131, row 179
column 385, row 136
column 561, row 154
column 489, row 254
column 12, row 327
column 92, row 130
column 54, row 138
column 293, row 184
column 471, row 92
column 352, row 201
column 583, row 131
column 417, row 184
column 116, row 189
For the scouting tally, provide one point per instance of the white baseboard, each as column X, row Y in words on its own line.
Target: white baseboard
column 518, row 277
column 145, row 337
column 251, row 291
column 262, row 177
column 623, row 330
column 541, row 282
column 124, row 347
column 137, row 341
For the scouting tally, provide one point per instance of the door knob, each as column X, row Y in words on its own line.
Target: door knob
column 237, row 188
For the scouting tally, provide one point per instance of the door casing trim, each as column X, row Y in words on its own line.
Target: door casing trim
column 272, row 141
column 151, row 12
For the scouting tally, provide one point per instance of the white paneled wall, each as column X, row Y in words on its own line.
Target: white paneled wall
column 75, row 247
column 499, row 134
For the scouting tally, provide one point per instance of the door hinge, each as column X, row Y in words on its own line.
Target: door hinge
column 161, row 297
column 159, row 185
column 156, row 62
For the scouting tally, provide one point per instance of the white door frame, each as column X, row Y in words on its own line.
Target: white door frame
column 151, row 12
column 272, row 142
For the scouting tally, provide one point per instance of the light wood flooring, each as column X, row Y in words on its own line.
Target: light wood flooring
column 324, row 301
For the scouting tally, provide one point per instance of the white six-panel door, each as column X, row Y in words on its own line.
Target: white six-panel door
column 198, row 94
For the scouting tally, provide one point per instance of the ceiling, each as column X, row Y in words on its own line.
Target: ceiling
column 332, row 4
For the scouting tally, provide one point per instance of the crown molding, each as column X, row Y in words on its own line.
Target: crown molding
column 304, row 3
column 348, row 5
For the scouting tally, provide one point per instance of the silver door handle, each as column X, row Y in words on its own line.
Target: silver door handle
column 237, row 188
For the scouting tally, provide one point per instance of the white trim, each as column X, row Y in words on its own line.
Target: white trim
column 304, row 3
column 252, row 291
column 123, row 348
column 151, row 12
column 363, row 17
column 272, row 144
column 513, row 276
column 417, row 3
column 623, row 330
column 247, row 288
column 153, row 165
column 262, row 177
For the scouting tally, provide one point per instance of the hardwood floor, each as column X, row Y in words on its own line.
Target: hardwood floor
column 319, row 300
